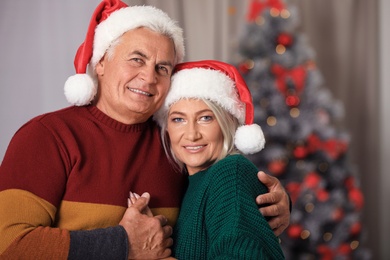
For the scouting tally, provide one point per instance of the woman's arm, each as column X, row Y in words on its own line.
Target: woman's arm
column 240, row 232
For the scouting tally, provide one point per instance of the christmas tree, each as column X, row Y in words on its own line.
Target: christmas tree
column 304, row 147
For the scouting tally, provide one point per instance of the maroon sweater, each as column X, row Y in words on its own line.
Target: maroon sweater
column 72, row 170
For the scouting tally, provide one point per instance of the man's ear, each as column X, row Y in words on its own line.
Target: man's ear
column 99, row 68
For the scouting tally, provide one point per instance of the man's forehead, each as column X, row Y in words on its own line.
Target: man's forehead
column 163, row 52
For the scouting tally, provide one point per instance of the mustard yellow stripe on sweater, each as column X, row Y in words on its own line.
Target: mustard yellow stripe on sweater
column 85, row 216
column 21, row 212
column 170, row 213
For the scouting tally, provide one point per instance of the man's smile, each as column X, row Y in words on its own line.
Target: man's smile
column 140, row 92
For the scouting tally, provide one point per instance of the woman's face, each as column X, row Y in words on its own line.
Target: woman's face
column 195, row 135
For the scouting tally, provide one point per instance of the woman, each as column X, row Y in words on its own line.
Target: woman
column 205, row 121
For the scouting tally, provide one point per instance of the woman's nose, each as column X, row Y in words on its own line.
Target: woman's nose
column 192, row 132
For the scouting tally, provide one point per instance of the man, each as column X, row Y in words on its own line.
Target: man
column 65, row 177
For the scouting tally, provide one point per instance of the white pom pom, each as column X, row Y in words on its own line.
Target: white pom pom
column 79, row 89
column 249, row 139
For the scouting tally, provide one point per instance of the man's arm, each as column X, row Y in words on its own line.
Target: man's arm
column 32, row 183
column 276, row 204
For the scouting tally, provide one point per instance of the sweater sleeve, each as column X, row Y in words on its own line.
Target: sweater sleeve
column 236, row 227
column 33, row 179
column 25, row 228
column 104, row 244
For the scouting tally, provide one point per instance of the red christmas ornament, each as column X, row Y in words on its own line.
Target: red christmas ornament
column 349, row 182
column 300, row 152
column 277, row 4
column 243, row 68
column 356, row 196
column 325, row 252
column 356, row 228
column 338, row 214
column 312, row 180
column 256, row 7
column 322, row 195
column 277, row 167
column 334, row 148
column 328, row 253
column 344, row 249
column 296, row 75
column 292, row 101
column 313, row 143
column 294, row 231
column 284, row 39
column 294, row 189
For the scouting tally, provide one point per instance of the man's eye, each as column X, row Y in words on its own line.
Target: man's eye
column 163, row 70
column 136, row 60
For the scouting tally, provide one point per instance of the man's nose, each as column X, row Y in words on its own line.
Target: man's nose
column 149, row 74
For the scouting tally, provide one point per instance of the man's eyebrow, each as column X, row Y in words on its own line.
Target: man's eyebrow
column 140, row 53
column 143, row 55
column 166, row 63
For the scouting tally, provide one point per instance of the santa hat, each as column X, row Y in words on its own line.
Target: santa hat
column 221, row 83
column 111, row 19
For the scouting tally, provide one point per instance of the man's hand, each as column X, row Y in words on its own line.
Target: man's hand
column 149, row 237
column 275, row 204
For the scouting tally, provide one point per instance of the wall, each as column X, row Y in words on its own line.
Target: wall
column 384, row 183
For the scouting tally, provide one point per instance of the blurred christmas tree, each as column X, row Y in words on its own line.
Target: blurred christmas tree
column 304, row 148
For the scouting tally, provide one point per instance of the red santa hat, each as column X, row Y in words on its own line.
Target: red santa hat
column 111, row 19
column 221, row 83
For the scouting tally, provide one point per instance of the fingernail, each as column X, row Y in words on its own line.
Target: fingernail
column 131, row 194
column 145, row 195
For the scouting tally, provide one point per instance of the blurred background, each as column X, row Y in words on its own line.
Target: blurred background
column 346, row 41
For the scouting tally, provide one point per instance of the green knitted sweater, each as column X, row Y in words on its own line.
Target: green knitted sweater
column 219, row 218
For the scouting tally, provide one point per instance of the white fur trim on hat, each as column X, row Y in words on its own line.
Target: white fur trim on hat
column 249, row 139
column 79, row 89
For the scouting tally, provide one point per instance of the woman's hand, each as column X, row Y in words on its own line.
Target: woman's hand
column 133, row 197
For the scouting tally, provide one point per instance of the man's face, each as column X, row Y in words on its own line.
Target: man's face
column 135, row 80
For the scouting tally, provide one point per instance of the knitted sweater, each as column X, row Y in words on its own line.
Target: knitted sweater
column 65, row 180
column 219, row 218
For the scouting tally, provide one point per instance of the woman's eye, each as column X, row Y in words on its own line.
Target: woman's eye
column 177, row 119
column 206, row 118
